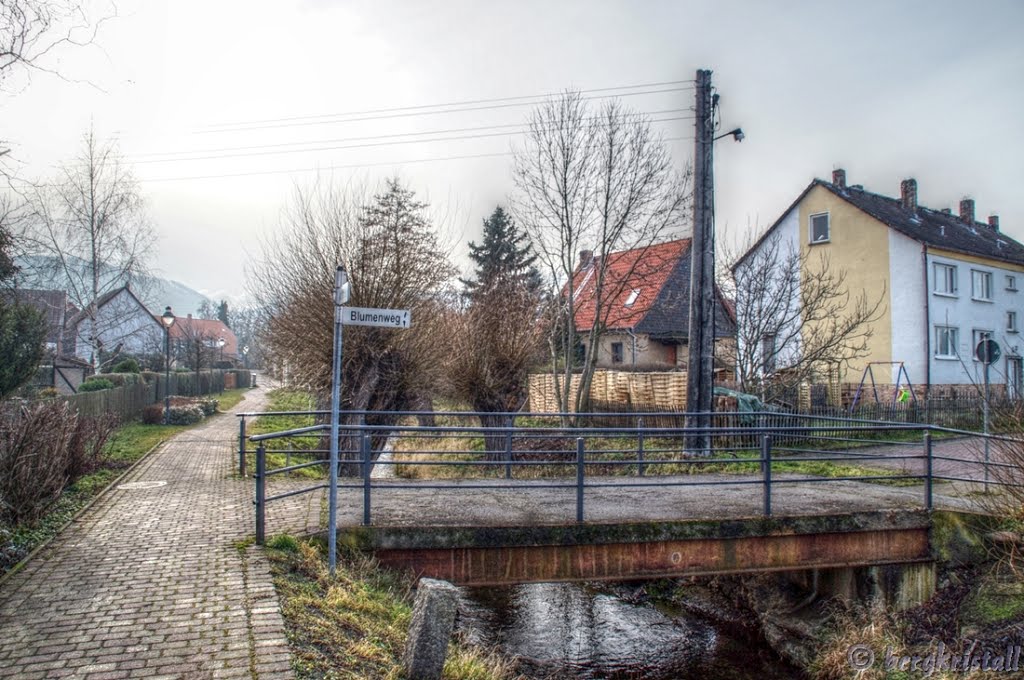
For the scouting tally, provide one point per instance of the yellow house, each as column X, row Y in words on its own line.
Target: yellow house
column 942, row 283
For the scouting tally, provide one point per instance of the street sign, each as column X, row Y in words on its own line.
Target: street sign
column 382, row 318
column 987, row 351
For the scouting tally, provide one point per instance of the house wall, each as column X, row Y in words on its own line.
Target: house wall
column 967, row 314
column 788, row 234
column 906, row 295
column 123, row 320
column 649, row 353
column 859, row 246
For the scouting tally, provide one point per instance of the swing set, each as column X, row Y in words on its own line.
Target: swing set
column 901, row 395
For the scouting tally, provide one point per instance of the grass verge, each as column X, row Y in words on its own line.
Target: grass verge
column 354, row 624
column 228, row 399
column 293, row 450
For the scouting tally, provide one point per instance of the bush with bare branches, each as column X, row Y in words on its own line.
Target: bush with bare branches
column 395, row 260
column 494, row 342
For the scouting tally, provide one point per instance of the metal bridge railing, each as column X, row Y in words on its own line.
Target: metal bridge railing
column 601, row 452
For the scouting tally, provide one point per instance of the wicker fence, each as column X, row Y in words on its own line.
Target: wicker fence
column 661, row 390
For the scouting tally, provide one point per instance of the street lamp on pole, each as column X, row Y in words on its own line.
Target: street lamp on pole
column 168, row 320
column 220, row 362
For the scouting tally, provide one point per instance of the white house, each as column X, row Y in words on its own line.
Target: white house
column 122, row 325
column 946, row 281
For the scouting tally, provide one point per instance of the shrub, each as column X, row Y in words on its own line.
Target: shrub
column 208, row 405
column 85, row 449
column 49, row 393
column 34, row 445
column 126, row 366
column 153, row 414
column 187, row 414
column 150, row 376
column 95, row 384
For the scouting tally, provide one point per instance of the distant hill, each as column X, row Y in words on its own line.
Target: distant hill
column 156, row 292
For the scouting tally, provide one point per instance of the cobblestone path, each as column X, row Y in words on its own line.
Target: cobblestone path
column 150, row 582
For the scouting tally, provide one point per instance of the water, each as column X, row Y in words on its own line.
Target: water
column 566, row 630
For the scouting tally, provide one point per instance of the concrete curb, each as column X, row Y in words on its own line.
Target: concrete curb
column 81, row 511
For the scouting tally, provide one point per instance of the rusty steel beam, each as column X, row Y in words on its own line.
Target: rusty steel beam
column 660, row 559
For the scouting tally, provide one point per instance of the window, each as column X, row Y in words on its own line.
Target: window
column 616, row 352
column 945, row 279
column 1011, row 283
column 981, row 285
column 819, row 228
column 946, row 339
column 632, row 298
column 768, row 353
column 976, row 337
column 1011, row 322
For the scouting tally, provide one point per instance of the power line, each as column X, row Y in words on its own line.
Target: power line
column 424, row 113
column 366, row 138
column 352, row 166
column 467, row 102
column 363, row 146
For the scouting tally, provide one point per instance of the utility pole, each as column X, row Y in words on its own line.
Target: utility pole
column 700, row 365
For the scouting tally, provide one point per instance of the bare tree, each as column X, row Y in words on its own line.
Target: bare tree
column 796, row 319
column 598, row 182
column 90, row 228
column 394, row 258
column 33, row 31
column 494, row 343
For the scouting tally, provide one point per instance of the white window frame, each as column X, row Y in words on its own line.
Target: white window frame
column 952, row 334
column 828, row 228
column 1011, row 322
column 977, row 335
column 634, row 294
column 951, row 280
column 621, row 351
column 985, row 279
column 1011, row 283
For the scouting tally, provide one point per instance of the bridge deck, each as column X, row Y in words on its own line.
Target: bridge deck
column 453, row 503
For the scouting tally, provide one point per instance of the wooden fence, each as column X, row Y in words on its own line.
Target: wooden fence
column 127, row 401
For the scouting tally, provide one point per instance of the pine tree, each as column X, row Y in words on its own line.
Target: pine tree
column 222, row 313
column 502, row 256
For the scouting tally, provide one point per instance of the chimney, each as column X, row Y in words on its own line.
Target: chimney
column 908, row 193
column 993, row 221
column 190, row 316
column 967, row 210
column 586, row 258
column 839, row 178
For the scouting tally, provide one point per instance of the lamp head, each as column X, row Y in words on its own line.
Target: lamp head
column 167, row 317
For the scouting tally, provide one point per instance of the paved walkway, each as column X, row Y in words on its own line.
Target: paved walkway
column 149, row 582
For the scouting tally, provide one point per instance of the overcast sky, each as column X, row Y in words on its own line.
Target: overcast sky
column 887, row 90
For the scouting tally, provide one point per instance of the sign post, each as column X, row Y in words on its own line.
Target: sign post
column 342, row 292
column 987, row 352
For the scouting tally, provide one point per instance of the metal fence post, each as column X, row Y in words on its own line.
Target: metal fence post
column 928, row 471
column 640, row 446
column 579, row 479
column 766, row 470
column 261, row 493
column 508, row 447
column 241, row 446
column 366, row 478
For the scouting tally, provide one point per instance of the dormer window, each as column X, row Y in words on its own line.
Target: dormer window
column 632, row 298
column 820, row 232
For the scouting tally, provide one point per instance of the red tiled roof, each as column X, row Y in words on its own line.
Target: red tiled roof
column 643, row 270
column 208, row 329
